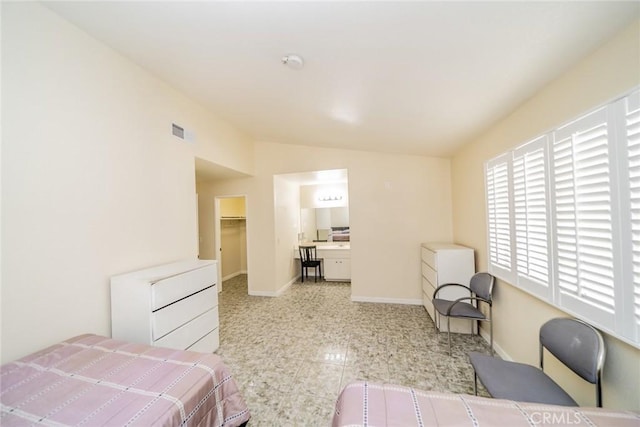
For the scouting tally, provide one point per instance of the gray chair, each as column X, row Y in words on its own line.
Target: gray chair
column 480, row 290
column 575, row 343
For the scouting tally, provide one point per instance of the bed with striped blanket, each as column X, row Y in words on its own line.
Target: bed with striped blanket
column 92, row 380
column 371, row 404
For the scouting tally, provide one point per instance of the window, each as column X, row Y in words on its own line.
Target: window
column 563, row 217
column 531, row 216
column 630, row 108
column 499, row 215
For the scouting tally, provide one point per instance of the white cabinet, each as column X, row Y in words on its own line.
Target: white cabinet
column 173, row 305
column 446, row 263
column 337, row 264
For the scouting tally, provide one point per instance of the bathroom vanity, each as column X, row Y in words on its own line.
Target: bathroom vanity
column 336, row 264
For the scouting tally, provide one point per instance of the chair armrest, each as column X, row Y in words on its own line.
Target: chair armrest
column 435, row 293
column 466, row 299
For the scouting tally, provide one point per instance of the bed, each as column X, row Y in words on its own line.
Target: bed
column 94, row 381
column 371, row 404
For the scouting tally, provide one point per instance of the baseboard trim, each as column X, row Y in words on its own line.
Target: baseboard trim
column 262, row 294
column 405, row 301
column 232, row 275
column 272, row 293
column 285, row 287
column 499, row 350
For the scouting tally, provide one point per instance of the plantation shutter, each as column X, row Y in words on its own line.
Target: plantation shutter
column 632, row 131
column 531, row 216
column 497, row 176
column 583, row 218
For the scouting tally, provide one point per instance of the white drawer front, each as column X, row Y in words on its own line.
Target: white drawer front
column 428, row 288
column 177, row 314
column 183, row 337
column 430, row 274
column 209, row 343
column 428, row 305
column 171, row 289
column 429, row 257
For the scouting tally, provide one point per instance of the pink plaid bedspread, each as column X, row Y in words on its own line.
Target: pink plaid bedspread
column 369, row 404
column 94, row 381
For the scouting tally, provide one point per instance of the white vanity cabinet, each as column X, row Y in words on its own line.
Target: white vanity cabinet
column 337, row 264
column 173, row 305
column 446, row 263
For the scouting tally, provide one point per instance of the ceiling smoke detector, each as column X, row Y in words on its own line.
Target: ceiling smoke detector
column 295, row 62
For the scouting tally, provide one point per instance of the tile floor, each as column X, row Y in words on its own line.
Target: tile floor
column 292, row 355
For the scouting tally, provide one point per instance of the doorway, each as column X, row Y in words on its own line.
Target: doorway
column 230, row 236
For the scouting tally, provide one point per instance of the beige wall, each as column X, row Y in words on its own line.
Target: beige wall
column 206, row 221
column 395, row 203
column 606, row 74
column 287, row 226
column 232, row 206
column 93, row 182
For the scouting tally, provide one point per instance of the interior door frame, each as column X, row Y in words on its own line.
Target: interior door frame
column 217, row 218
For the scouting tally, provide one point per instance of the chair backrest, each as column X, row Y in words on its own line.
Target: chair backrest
column 481, row 284
column 576, row 344
column 307, row 253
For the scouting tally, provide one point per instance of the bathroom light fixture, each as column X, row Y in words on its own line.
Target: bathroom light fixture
column 293, row 61
column 329, row 198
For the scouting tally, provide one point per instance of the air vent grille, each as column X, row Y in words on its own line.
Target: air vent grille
column 177, row 131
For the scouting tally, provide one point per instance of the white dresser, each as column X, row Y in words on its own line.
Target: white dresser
column 173, row 305
column 446, row 263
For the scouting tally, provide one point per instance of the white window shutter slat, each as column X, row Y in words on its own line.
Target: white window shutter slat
column 498, row 177
column 532, row 216
column 584, row 240
column 632, row 134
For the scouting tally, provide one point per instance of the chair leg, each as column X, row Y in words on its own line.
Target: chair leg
column 315, row 275
column 449, row 333
column 475, row 382
column 491, row 336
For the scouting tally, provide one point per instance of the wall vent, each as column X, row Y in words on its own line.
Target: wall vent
column 177, row 131
column 182, row 133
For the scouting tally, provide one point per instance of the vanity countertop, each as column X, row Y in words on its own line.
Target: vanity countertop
column 329, row 247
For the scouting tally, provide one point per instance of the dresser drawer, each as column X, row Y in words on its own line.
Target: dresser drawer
column 428, row 305
column 166, row 291
column 209, row 343
column 177, row 314
column 430, row 274
column 429, row 257
column 428, row 288
column 183, row 337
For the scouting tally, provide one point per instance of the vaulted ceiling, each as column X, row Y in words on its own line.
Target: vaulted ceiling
column 400, row 77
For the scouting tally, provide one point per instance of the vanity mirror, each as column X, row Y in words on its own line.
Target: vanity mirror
column 324, row 207
column 325, row 224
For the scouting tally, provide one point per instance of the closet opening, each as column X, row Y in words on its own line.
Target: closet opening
column 230, row 237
